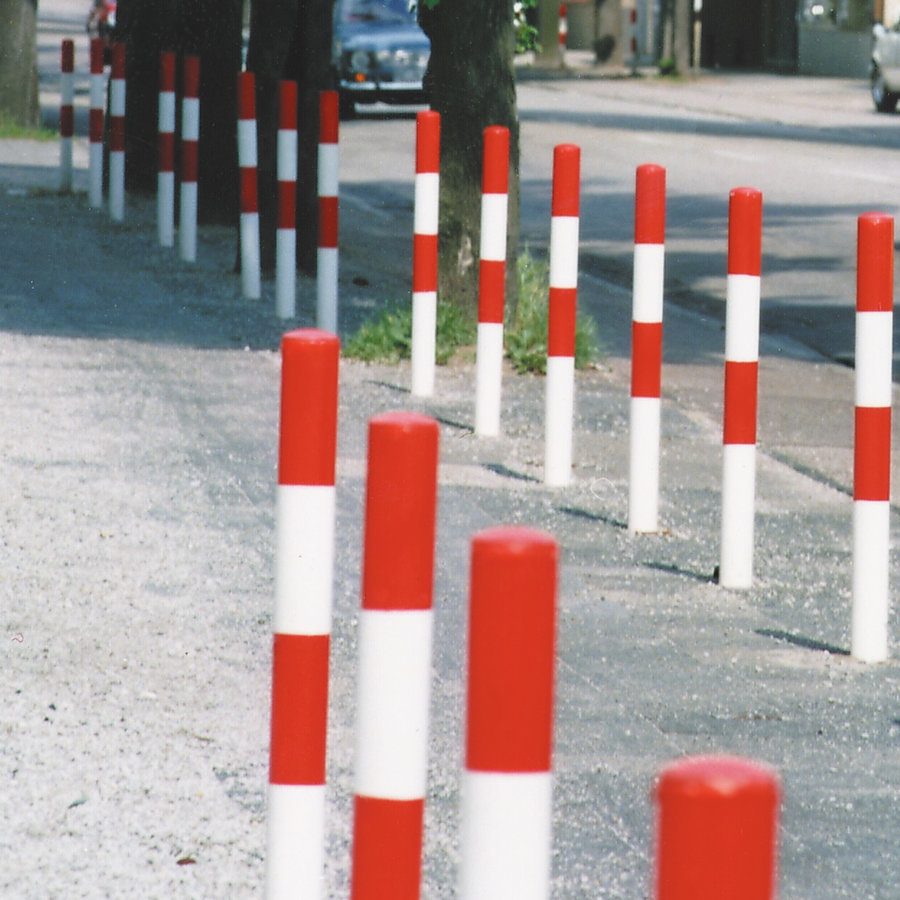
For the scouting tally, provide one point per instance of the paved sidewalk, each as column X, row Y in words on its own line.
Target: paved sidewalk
column 138, row 462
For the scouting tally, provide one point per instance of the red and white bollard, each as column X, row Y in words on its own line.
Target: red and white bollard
column 95, row 125
column 117, row 135
column 741, row 376
column 247, row 160
column 646, row 347
column 286, row 233
column 560, row 390
column 165, row 179
column 716, row 830
column 66, row 113
column 395, row 635
column 190, row 146
column 872, row 455
column 563, row 27
column 327, row 257
column 425, row 251
column 492, row 280
column 506, row 788
column 302, row 625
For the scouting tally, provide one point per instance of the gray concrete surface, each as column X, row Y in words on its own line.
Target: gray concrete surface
column 137, row 456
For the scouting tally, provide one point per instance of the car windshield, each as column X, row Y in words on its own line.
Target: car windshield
column 393, row 11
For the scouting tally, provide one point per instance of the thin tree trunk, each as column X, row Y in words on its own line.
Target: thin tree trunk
column 18, row 62
column 471, row 83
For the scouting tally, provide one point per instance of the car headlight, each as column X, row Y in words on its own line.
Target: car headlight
column 360, row 61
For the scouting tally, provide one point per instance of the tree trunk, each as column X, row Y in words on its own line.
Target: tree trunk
column 290, row 39
column 681, row 35
column 548, row 34
column 470, row 81
column 212, row 30
column 18, row 62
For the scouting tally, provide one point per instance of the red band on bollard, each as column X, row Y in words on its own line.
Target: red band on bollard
column 192, row 76
column 118, row 61
column 95, row 126
column 66, row 121
column 875, row 269
column 287, row 204
column 328, row 221
column 68, row 56
column 495, row 176
column 872, row 453
column 380, row 827
column 328, row 117
column 646, row 354
column 287, row 105
column 740, row 402
column 566, row 179
column 166, row 71
column 512, row 627
column 650, row 205
column 428, row 141
column 717, row 827
column 562, row 320
column 309, row 391
column 425, row 256
column 745, row 232
column 491, row 290
column 299, row 708
column 246, row 96
column 96, row 56
column 401, row 499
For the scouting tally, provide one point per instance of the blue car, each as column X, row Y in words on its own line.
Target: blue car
column 379, row 53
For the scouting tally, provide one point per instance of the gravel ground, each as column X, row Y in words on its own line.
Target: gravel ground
column 138, row 462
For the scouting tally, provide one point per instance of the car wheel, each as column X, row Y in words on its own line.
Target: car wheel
column 885, row 101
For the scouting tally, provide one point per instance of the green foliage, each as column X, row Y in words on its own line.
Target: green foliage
column 11, row 129
column 388, row 338
column 526, row 34
column 526, row 334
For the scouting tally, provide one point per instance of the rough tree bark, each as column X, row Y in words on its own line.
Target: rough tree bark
column 212, row 30
column 470, row 81
column 290, row 39
column 18, row 62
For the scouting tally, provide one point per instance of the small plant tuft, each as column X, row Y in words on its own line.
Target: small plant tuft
column 388, row 337
column 12, row 130
column 526, row 333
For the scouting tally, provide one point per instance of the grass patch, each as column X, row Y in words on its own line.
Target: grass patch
column 388, row 337
column 10, row 129
column 525, row 335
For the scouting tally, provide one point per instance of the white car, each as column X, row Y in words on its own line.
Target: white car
column 884, row 67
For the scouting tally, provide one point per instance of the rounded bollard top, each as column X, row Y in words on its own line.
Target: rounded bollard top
column 512, row 639
column 118, row 61
column 715, row 776
column 875, row 262
column 329, row 117
column 745, row 231
column 650, row 204
column 309, row 391
column 717, row 830
column 495, row 175
column 401, row 503
column 428, row 141
column 566, row 179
